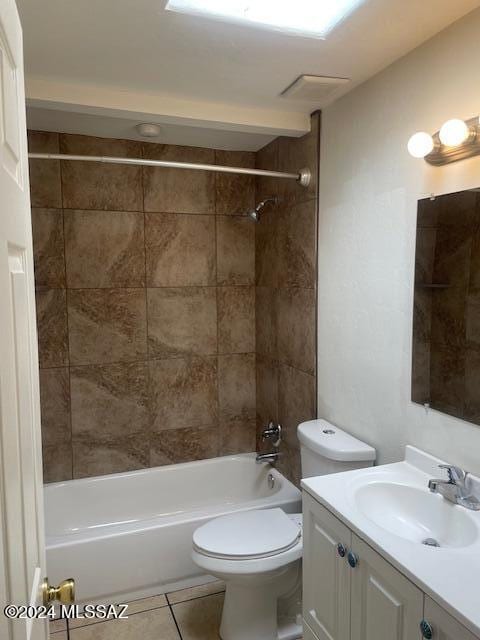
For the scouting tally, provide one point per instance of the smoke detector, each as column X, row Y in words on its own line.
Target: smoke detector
column 313, row 88
column 148, row 130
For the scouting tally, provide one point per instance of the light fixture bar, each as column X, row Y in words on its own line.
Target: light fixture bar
column 442, row 154
column 303, row 177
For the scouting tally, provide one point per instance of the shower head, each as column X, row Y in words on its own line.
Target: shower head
column 255, row 214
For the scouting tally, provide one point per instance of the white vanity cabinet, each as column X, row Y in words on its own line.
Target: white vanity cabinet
column 351, row 593
column 443, row 625
column 326, row 574
column 385, row 604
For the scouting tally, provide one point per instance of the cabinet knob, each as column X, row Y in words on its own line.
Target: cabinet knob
column 426, row 629
column 341, row 550
column 352, row 559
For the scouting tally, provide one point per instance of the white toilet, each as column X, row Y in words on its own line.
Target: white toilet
column 258, row 553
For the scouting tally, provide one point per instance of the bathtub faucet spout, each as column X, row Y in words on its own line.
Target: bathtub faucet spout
column 271, row 457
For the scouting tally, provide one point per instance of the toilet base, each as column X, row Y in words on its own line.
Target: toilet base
column 250, row 609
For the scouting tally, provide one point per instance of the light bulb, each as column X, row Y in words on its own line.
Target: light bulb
column 454, row 132
column 420, row 144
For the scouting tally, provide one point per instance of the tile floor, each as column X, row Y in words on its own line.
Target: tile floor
column 190, row 614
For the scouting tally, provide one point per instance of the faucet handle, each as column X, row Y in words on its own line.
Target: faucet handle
column 455, row 474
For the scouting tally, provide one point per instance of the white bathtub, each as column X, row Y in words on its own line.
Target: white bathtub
column 128, row 535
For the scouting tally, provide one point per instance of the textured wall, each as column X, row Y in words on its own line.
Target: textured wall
column 368, row 198
column 145, row 302
column 286, row 277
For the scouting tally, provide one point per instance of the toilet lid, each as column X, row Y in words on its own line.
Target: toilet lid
column 247, row 535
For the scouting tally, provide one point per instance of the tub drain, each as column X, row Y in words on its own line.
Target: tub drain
column 430, row 542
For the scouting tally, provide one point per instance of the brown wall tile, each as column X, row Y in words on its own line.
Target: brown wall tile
column 235, row 250
column 104, row 249
column 266, row 321
column 267, row 390
column 90, row 185
column 107, row 325
column 101, row 457
column 52, row 327
column 267, row 247
column 45, row 182
column 296, row 401
column 236, row 319
column 296, row 328
column 183, row 445
column 180, row 250
column 57, row 462
column 179, row 190
column 182, row 321
column 183, row 393
column 55, row 406
column 49, row 248
column 109, row 402
column 107, row 264
column 236, row 388
column 286, row 274
column 297, row 235
column 237, row 437
column 235, row 194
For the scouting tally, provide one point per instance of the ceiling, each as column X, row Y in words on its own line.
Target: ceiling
column 100, row 66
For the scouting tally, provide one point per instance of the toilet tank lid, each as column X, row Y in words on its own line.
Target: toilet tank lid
column 340, row 446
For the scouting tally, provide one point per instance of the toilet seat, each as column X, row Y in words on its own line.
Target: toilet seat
column 249, row 535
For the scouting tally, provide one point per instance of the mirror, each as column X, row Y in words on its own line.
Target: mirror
column 446, row 312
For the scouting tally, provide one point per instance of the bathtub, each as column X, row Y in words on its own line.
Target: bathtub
column 129, row 535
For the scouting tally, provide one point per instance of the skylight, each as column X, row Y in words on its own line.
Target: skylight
column 313, row 18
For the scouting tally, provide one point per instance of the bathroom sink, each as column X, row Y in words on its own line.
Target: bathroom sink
column 416, row 514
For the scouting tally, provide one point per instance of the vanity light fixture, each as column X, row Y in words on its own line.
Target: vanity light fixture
column 456, row 140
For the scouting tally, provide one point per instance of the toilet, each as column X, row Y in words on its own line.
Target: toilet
column 258, row 553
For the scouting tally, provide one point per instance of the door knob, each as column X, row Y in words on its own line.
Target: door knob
column 64, row 593
column 341, row 550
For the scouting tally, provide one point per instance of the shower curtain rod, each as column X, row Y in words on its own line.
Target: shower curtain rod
column 303, row 177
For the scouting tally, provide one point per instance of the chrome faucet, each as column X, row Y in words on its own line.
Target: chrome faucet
column 455, row 488
column 271, row 457
column 271, row 432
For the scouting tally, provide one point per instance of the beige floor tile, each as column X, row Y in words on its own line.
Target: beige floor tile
column 207, row 589
column 135, row 606
column 157, row 624
column 199, row 619
column 62, row 635
column 145, row 604
column 55, row 626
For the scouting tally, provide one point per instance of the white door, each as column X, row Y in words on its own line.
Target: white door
column 442, row 625
column 326, row 574
column 22, row 561
column 385, row 604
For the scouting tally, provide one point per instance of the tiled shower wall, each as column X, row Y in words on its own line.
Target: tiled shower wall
column 286, row 280
column 146, row 307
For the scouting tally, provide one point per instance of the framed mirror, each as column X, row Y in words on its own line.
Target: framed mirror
column 446, row 310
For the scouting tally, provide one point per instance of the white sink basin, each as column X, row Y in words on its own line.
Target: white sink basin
column 416, row 514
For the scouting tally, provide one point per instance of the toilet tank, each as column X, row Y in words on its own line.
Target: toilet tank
column 326, row 449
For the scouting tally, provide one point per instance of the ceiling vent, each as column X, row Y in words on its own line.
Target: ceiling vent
column 313, row 88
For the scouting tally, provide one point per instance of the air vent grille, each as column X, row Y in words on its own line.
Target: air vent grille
column 313, row 88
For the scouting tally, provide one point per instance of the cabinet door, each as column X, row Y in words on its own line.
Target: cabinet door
column 326, row 575
column 385, row 604
column 443, row 625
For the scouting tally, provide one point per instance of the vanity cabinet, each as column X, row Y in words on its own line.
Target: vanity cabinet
column 351, row 593
column 385, row 604
column 326, row 574
column 443, row 625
